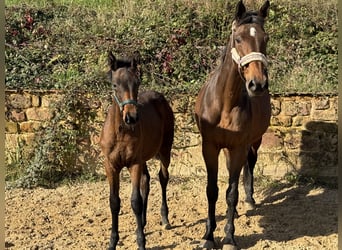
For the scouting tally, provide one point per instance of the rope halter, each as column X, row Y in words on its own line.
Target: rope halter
column 123, row 103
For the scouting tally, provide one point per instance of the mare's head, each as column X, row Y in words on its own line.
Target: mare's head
column 125, row 78
column 248, row 47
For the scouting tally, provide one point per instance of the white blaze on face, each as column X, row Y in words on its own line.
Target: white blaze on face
column 252, row 32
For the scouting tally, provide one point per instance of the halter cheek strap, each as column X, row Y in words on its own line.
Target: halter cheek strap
column 125, row 102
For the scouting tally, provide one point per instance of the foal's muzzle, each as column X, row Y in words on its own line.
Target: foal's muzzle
column 131, row 118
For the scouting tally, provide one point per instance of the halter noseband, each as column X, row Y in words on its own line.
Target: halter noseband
column 123, row 103
column 253, row 56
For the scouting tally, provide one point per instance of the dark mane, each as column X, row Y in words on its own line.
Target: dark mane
column 251, row 17
column 123, row 63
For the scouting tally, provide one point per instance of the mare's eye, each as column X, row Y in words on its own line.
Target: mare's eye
column 238, row 39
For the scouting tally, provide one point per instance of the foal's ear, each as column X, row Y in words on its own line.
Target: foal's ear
column 112, row 61
column 240, row 10
column 264, row 9
column 135, row 59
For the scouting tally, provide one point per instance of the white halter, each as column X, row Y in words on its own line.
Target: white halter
column 253, row 56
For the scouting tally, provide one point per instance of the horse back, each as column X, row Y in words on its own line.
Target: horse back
column 157, row 121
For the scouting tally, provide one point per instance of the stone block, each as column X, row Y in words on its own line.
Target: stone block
column 282, row 121
column 18, row 116
column 11, row 127
column 321, row 103
column 20, row 101
column 35, row 101
column 271, row 141
column 300, row 121
column 304, row 108
column 324, row 115
column 28, row 138
column 274, row 165
column 39, row 114
column 30, row 126
column 289, row 108
column 49, row 100
column 11, row 141
column 276, row 107
column 292, row 139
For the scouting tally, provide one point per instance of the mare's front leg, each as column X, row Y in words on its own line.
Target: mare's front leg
column 137, row 203
column 144, row 191
column 113, row 176
column 210, row 155
column 235, row 160
column 248, row 177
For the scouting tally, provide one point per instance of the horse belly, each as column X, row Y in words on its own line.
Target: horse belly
column 152, row 135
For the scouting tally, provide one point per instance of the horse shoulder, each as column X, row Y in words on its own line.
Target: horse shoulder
column 107, row 136
column 207, row 107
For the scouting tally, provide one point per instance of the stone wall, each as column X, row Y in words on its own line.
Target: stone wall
column 302, row 138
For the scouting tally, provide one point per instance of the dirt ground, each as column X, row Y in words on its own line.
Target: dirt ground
column 78, row 217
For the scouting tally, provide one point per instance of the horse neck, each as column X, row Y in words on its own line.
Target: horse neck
column 229, row 83
column 116, row 116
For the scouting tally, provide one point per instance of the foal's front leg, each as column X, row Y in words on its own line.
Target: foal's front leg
column 137, row 203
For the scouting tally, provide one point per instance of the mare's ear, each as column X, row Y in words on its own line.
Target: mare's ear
column 264, row 9
column 112, row 61
column 240, row 10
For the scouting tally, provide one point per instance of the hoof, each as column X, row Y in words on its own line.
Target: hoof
column 207, row 244
column 229, row 247
column 249, row 206
column 166, row 226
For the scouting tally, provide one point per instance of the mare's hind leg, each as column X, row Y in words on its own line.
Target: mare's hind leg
column 144, row 190
column 137, row 203
column 114, row 203
column 248, row 177
column 164, row 179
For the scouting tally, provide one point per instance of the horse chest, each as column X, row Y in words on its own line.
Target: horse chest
column 125, row 150
column 240, row 126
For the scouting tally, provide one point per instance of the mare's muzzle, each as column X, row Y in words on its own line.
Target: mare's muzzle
column 254, row 86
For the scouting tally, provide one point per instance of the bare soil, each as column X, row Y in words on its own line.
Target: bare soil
column 78, row 217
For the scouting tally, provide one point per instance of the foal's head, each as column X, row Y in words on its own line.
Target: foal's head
column 125, row 79
column 248, row 47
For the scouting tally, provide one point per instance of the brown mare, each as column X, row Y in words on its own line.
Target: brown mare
column 137, row 128
column 232, row 112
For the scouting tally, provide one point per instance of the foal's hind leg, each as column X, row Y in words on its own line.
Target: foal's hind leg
column 248, row 177
column 164, row 179
column 144, row 190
